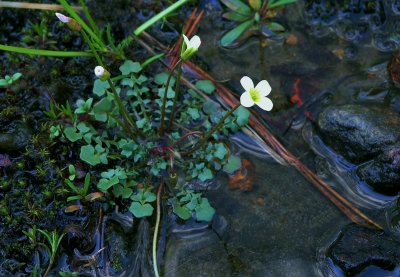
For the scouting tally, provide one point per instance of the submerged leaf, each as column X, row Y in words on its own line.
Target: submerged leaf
column 237, row 6
column 255, row 4
column 205, row 86
column 275, row 27
column 278, row 3
column 233, row 34
column 235, row 16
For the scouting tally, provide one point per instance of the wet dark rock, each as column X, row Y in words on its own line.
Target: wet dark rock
column 359, row 133
column 15, row 138
column 394, row 69
column 383, row 172
column 358, row 247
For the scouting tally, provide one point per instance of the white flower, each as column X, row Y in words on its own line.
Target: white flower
column 63, row 18
column 101, row 73
column 256, row 95
column 192, row 46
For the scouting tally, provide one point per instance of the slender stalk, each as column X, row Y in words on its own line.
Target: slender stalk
column 212, row 131
column 40, row 52
column 263, row 9
column 94, row 51
column 155, row 266
column 90, row 18
column 158, row 17
column 177, row 89
column 182, row 138
column 161, row 131
column 125, row 126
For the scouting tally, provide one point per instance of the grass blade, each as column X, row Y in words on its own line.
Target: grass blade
column 39, row 52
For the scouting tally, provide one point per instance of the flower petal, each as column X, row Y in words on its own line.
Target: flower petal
column 247, row 83
column 264, row 88
column 245, row 99
column 265, row 103
column 187, row 42
column 195, row 42
column 63, row 18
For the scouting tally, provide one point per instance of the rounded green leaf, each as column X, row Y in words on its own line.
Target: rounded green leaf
column 204, row 211
column 87, row 155
column 130, row 67
column 205, row 86
column 234, row 163
column 140, row 210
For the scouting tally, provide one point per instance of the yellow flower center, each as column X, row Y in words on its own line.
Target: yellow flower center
column 255, row 95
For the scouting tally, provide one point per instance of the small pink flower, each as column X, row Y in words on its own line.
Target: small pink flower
column 63, row 18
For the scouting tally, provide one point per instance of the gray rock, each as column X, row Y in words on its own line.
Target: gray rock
column 359, row 132
column 15, row 138
column 383, row 172
column 358, row 247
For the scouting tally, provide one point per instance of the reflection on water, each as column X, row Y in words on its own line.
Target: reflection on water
column 342, row 174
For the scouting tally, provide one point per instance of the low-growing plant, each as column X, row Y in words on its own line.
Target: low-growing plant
column 254, row 18
column 51, row 245
column 9, row 80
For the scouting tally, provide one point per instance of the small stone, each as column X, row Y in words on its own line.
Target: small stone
column 15, row 138
column 359, row 132
column 358, row 247
column 383, row 172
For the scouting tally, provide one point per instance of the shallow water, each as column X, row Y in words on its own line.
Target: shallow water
column 287, row 232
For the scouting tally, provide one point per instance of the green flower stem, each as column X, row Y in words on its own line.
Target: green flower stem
column 212, row 131
column 90, row 18
column 158, row 17
column 123, row 111
column 94, row 51
column 39, row 52
column 161, row 131
column 155, row 266
column 177, row 89
column 124, row 126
